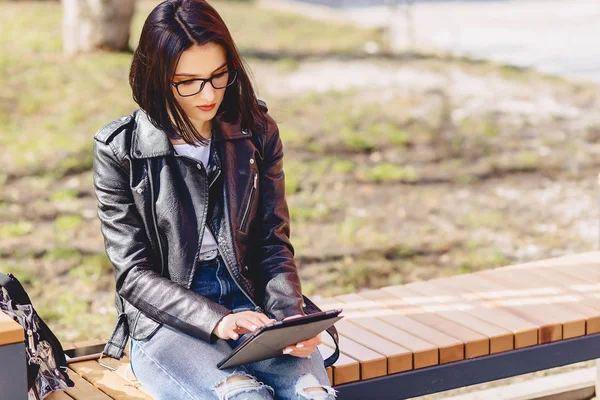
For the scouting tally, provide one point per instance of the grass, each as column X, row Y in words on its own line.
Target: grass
column 51, row 106
column 64, row 195
column 298, row 214
column 24, row 274
column 68, row 222
column 20, row 228
column 342, row 148
column 61, row 253
column 91, row 269
column 387, row 172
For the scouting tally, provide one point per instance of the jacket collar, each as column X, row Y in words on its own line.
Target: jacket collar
column 149, row 141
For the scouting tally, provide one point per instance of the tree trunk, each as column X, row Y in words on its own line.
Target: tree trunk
column 96, row 24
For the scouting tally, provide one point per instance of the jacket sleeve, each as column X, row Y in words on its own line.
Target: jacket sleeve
column 282, row 288
column 127, row 246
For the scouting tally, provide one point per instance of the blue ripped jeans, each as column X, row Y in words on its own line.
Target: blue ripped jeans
column 172, row 365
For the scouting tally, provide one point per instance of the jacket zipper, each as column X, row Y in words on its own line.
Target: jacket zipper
column 154, row 218
column 250, row 198
column 215, row 178
column 256, row 307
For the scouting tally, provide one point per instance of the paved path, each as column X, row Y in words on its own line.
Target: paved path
column 557, row 36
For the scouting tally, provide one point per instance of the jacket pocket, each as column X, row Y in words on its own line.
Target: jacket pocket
column 247, row 205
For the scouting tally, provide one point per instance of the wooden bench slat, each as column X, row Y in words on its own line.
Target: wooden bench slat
column 398, row 358
column 67, row 345
column 329, row 371
column 450, row 349
column 525, row 332
column 425, row 354
column 569, row 260
column 107, row 381
column 590, row 274
column 494, row 295
column 84, row 390
column 372, row 364
column 584, row 285
column 125, row 372
column 10, row 331
column 59, row 395
column 586, row 305
column 552, row 306
column 454, row 309
column 475, row 344
column 344, row 370
column 587, row 272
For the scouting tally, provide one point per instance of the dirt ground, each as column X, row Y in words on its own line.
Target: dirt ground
column 397, row 168
column 436, row 167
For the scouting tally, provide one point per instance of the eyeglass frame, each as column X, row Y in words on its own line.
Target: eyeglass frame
column 204, row 81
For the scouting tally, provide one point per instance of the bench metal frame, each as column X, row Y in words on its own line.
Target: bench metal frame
column 458, row 374
column 13, row 371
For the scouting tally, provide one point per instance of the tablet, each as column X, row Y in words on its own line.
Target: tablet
column 269, row 340
column 92, row 352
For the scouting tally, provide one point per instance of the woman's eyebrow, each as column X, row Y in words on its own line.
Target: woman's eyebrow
column 185, row 74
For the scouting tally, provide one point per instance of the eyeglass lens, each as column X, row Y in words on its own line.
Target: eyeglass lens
column 219, row 81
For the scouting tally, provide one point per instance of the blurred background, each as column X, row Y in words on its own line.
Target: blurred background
column 422, row 138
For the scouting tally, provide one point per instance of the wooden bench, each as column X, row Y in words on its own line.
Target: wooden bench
column 425, row 337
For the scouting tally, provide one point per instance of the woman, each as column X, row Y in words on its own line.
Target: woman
column 191, row 201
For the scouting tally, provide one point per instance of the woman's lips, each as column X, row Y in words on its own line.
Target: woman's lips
column 206, row 108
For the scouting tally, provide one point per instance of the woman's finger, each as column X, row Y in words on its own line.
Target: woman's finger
column 249, row 323
column 234, row 333
column 257, row 321
column 292, row 316
column 303, row 352
column 258, row 318
column 254, row 322
column 312, row 342
column 265, row 319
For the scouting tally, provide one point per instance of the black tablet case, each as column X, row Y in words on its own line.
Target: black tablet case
column 270, row 343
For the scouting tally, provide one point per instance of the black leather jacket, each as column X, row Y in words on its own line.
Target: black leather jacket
column 152, row 205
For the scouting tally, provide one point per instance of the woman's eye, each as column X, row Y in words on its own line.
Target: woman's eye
column 186, row 83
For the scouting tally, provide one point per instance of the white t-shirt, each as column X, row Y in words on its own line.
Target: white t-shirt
column 200, row 153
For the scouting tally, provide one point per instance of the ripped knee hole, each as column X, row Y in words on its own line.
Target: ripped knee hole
column 234, row 378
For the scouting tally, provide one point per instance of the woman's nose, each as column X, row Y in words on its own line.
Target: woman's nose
column 208, row 93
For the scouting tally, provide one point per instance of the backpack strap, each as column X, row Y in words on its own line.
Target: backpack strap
column 14, row 288
column 332, row 331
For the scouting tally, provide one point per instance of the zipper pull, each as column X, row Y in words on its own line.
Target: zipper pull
column 255, row 177
column 31, row 342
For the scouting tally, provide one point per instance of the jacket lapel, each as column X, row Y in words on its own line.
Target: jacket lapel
column 149, row 141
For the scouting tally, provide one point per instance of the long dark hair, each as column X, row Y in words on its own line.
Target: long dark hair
column 170, row 29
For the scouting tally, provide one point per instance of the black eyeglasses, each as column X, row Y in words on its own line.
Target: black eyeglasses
column 195, row 86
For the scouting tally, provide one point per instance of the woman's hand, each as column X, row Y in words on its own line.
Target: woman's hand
column 304, row 348
column 235, row 324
